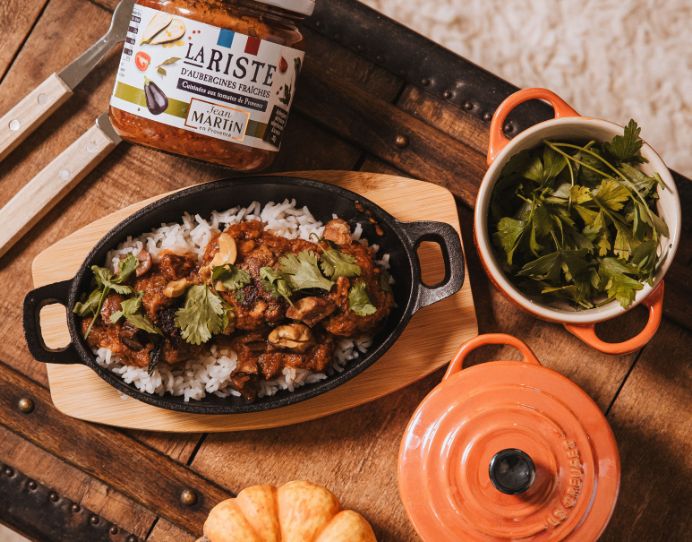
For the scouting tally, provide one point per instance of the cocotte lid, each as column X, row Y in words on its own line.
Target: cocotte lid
column 508, row 450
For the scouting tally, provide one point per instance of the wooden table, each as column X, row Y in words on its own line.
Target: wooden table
column 374, row 96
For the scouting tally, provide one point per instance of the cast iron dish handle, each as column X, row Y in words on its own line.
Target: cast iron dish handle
column 448, row 239
column 34, row 301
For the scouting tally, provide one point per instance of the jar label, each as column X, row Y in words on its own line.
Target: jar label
column 205, row 79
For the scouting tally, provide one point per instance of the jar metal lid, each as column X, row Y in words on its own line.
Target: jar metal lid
column 304, row 7
column 508, row 450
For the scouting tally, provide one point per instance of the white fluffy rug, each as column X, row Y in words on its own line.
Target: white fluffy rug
column 614, row 59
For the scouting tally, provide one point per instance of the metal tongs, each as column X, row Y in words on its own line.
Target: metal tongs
column 40, row 194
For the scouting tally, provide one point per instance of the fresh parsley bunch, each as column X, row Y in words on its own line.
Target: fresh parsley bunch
column 578, row 222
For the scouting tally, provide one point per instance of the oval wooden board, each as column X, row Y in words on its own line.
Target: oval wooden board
column 428, row 342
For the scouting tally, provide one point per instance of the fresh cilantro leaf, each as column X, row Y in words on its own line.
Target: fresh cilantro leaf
column 580, row 194
column 140, row 321
column 132, row 305
column 518, row 163
column 90, row 306
column 129, row 308
column 611, row 194
column 275, row 283
column 359, row 301
column 571, row 293
column 508, row 235
column 610, row 266
column 105, row 279
column 627, row 147
column 575, row 264
column 126, row 267
column 541, row 225
column 645, row 258
column 336, row 263
column 553, row 163
column 549, row 267
column 201, row 316
column 588, row 215
column 534, row 169
column 642, row 182
column 545, row 167
column 587, row 166
column 558, row 196
column 624, row 241
column 302, row 272
column 623, row 289
column 649, row 217
column 230, row 277
column 105, row 282
column 546, row 267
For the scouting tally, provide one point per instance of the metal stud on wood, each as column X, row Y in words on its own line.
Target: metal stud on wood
column 188, row 497
column 25, row 405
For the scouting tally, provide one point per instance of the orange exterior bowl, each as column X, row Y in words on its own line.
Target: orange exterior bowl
column 568, row 124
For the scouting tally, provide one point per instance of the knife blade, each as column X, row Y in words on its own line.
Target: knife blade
column 40, row 103
column 55, row 181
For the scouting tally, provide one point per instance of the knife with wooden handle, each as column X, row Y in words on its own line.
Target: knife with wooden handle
column 55, row 181
column 40, row 103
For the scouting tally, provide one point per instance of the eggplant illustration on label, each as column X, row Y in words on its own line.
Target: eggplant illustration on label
column 157, row 102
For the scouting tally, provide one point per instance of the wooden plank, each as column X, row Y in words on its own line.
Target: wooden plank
column 17, row 17
column 165, row 531
column 374, row 124
column 73, row 484
column 453, row 121
column 652, row 421
column 139, row 472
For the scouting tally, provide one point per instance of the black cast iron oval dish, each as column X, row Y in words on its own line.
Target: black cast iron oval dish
column 399, row 239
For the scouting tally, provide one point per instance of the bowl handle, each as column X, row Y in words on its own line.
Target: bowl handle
column 587, row 332
column 497, row 136
column 448, row 239
column 34, row 301
column 489, row 338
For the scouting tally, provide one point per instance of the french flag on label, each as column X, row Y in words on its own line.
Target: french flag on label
column 226, row 38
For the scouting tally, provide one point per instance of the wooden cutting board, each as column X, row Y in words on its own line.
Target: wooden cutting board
column 431, row 338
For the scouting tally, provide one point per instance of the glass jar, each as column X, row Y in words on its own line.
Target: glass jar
column 210, row 79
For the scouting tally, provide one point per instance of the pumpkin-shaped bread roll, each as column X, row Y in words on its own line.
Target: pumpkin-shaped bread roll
column 295, row 512
column 347, row 526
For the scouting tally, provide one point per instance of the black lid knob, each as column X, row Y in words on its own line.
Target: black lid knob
column 512, row 471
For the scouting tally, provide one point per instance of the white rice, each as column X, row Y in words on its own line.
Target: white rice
column 211, row 373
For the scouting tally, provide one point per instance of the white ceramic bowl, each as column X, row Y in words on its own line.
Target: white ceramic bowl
column 567, row 124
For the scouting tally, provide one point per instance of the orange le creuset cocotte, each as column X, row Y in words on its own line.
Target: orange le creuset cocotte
column 508, row 450
column 568, row 124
